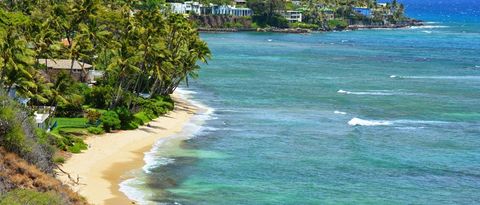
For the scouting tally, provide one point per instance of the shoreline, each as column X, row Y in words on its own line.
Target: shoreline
column 352, row 27
column 111, row 156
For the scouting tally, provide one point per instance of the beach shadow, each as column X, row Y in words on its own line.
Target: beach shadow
column 145, row 129
column 157, row 127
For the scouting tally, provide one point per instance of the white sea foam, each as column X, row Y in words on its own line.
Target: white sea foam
column 132, row 187
column 393, row 76
column 360, row 122
column 372, row 92
column 269, row 40
column 477, row 66
column 428, row 27
column 468, row 77
column 339, row 112
column 400, row 124
column 427, row 32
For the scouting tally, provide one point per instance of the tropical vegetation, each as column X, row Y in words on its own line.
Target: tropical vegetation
column 143, row 51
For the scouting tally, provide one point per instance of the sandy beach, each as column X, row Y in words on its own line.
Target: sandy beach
column 104, row 165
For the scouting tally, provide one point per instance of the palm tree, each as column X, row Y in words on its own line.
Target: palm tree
column 16, row 57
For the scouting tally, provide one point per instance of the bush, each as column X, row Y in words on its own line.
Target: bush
column 303, row 25
column 69, row 110
column 337, row 24
column 18, row 135
column 130, row 126
column 142, row 118
column 99, row 96
column 59, row 160
column 23, row 196
column 93, row 116
column 78, row 146
column 95, row 130
column 276, row 20
column 110, row 121
column 126, row 117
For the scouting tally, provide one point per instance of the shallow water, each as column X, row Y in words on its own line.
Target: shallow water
column 361, row 117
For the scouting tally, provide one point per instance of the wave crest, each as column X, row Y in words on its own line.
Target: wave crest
column 373, row 92
column 361, row 122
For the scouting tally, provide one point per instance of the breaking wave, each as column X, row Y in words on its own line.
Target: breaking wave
column 409, row 123
column 471, row 77
column 361, row 122
column 373, row 92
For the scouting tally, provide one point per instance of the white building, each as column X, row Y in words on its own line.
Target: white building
column 231, row 11
column 178, row 8
column 190, row 7
column 293, row 16
column 40, row 119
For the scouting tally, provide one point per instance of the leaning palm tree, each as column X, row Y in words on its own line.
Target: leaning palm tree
column 15, row 55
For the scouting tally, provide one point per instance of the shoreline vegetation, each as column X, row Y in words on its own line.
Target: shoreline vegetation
column 72, row 69
column 112, row 156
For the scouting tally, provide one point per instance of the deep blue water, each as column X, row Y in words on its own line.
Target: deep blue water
column 360, row 117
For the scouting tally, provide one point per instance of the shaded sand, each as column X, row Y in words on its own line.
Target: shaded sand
column 102, row 167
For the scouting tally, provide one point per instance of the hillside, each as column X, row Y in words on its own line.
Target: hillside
column 16, row 174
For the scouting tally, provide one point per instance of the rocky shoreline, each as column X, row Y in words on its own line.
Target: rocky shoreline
column 301, row 30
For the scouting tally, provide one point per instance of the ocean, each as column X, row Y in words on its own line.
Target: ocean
column 388, row 116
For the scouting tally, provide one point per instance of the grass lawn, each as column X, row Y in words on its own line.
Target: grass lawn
column 70, row 122
column 70, row 125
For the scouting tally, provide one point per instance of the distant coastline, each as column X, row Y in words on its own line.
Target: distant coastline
column 410, row 23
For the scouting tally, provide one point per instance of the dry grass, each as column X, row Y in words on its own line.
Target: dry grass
column 22, row 175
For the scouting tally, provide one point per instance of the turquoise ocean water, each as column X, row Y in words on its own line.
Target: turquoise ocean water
column 358, row 117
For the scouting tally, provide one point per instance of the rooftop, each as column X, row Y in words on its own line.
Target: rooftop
column 64, row 64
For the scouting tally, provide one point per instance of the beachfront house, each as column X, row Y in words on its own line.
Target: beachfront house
column 188, row 7
column 178, row 8
column 79, row 70
column 191, row 7
column 292, row 16
column 363, row 11
column 231, row 11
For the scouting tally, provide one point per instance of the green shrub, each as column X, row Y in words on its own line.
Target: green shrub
column 125, row 116
column 24, row 196
column 93, row 116
column 142, row 118
column 73, row 107
column 59, row 160
column 99, row 96
column 110, row 121
column 130, row 126
column 303, row 25
column 77, row 147
column 337, row 24
column 18, row 135
column 95, row 130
